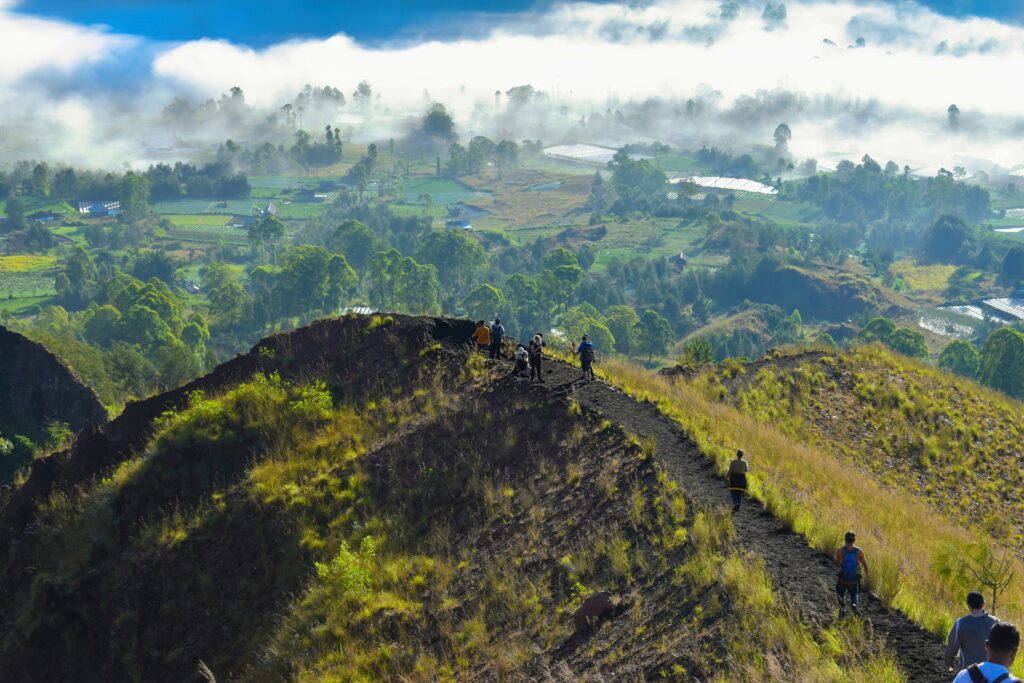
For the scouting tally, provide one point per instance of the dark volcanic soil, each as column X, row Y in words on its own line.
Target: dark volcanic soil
column 805, row 576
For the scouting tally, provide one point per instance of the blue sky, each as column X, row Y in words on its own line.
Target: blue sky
column 259, row 23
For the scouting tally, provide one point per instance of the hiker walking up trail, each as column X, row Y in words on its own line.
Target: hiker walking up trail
column 969, row 633
column 738, row 469
column 1000, row 651
column 482, row 335
column 497, row 336
column 850, row 560
column 588, row 354
column 536, row 352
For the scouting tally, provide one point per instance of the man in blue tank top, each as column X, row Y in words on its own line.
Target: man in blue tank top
column 852, row 566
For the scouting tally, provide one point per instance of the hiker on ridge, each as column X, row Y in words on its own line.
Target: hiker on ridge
column 850, row 560
column 482, row 335
column 1000, row 651
column 738, row 480
column 497, row 336
column 968, row 635
column 536, row 351
column 587, row 353
column 522, row 361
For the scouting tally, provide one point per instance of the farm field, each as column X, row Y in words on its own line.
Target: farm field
column 300, row 210
column 204, row 228
column 441, row 190
column 70, row 232
column 24, row 263
column 241, row 207
column 34, row 204
column 27, row 283
column 923, row 278
column 794, row 213
column 20, row 305
column 435, row 211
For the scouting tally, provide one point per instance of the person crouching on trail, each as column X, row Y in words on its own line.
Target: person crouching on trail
column 536, row 352
column 482, row 335
column 1000, row 651
column 851, row 561
column 738, row 480
column 968, row 635
column 522, row 361
column 497, row 336
column 588, row 354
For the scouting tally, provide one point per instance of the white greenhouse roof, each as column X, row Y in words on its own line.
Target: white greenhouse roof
column 581, row 152
column 733, row 184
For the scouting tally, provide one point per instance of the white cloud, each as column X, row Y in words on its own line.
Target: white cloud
column 30, row 44
column 913, row 65
column 571, row 45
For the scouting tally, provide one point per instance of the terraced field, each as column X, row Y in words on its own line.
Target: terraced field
column 22, row 284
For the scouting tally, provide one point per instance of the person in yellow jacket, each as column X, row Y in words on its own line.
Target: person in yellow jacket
column 482, row 335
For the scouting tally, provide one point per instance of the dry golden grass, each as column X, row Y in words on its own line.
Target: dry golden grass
column 915, row 555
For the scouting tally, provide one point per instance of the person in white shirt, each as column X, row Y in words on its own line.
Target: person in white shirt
column 1000, row 651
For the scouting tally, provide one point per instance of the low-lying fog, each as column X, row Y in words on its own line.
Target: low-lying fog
column 849, row 78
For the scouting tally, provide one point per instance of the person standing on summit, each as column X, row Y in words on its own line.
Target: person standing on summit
column 852, row 565
column 968, row 635
column 497, row 337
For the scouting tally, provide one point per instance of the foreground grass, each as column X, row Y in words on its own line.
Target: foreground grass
column 917, row 557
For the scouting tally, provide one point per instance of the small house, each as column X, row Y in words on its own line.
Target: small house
column 458, row 224
column 269, row 210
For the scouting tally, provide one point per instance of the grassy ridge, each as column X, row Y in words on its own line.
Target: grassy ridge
column 916, row 554
column 278, row 533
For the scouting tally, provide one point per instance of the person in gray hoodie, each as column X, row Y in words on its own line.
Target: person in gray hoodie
column 968, row 635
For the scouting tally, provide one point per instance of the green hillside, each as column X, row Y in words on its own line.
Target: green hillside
column 365, row 500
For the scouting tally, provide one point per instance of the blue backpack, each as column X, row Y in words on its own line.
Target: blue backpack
column 849, row 570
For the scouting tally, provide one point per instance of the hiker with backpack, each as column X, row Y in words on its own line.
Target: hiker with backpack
column 588, row 354
column 497, row 336
column 738, row 480
column 1000, row 651
column 482, row 335
column 536, row 351
column 851, row 561
column 968, row 635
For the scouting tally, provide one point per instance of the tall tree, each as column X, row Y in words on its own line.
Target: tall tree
column 484, row 302
column 953, row 116
column 782, row 137
column 15, row 210
column 960, row 357
column 1002, row 362
column 134, row 196
column 653, row 333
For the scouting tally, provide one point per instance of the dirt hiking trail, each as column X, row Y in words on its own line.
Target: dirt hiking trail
column 805, row 577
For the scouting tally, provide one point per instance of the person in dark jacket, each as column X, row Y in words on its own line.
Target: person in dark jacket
column 738, row 479
column 536, row 355
column 497, row 336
